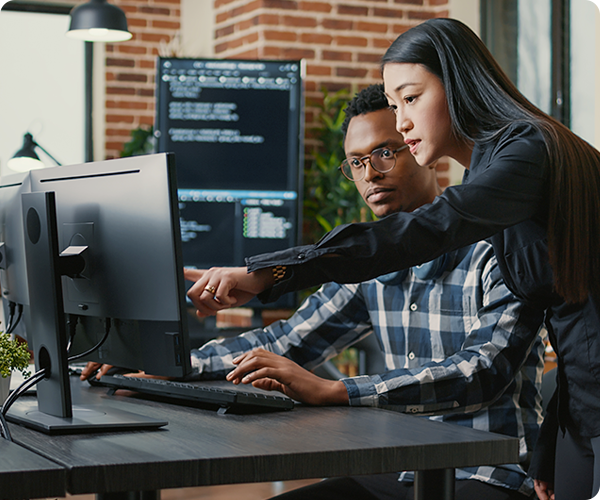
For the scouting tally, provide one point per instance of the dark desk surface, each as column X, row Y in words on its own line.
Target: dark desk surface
column 200, row 447
column 23, row 474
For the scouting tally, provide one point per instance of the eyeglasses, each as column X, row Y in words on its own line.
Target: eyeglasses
column 382, row 160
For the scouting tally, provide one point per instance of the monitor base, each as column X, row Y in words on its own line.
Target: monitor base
column 86, row 418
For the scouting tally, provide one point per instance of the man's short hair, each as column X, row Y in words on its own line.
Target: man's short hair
column 371, row 98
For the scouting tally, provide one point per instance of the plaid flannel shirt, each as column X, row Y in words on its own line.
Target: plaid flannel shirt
column 460, row 348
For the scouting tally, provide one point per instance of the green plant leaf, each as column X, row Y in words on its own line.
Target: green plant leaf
column 13, row 356
column 329, row 198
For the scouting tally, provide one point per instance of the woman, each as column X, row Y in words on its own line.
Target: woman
column 531, row 186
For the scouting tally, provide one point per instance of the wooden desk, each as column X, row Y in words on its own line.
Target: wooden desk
column 200, row 447
column 24, row 474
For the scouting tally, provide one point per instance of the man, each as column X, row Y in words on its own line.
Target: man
column 456, row 342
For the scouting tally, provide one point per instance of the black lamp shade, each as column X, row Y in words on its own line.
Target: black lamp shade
column 98, row 21
column 26, row 158
column 27, row 151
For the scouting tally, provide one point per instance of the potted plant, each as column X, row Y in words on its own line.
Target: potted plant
column 329, row 198
column 13, row 356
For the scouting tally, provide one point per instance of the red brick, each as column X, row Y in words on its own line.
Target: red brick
column 146, row 120
column 375, row 74
column 245, row 8
column 388, row 13
column 305, row 22
column 170, row 25
column 131, row 77
column 119, row 118
column 135, row 22
column 111, row 90
column 251, row 54
column 310, row 86
column 147, row 64
column 271, row 52
column 221, row 47
column 335, row 24
column 351, row 10
column 315, row 6
column 351, row 72
column 331, row 55
column 421, row 14
column 126, row 105
column 297, row 54
column 371, row 27
column 384, row 43
column 288, row 36
column 268, row 19
column 131, row 49
column 313, row 69
column 220, row 3
column 117, row 131
column 412, row 2
column 155, row 11
column 116, row 146
column 280, row 4
column 354, row 41
column 124, row 63
column 228, row 30
column 335, row 86
column 369, row 58
column 155, row 37
column 317, row 38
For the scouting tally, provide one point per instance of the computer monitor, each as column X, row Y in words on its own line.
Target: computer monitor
column 118, row 221
column 13, row 274
column 236, row 127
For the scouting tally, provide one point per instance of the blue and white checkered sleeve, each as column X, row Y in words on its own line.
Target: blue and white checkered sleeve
column 326, row 323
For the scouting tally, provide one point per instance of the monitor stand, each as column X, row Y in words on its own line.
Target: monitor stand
column 46, row 330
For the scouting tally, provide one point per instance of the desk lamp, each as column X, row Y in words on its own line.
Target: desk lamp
column 26, row 158
column 98, row 21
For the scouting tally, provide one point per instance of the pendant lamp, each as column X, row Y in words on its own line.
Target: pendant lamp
column 98, row 21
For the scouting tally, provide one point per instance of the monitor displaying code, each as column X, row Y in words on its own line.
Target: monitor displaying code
column 235, row 127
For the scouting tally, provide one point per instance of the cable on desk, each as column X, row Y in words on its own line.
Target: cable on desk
column 39, row 375
column 107, row 327
column 25, row 386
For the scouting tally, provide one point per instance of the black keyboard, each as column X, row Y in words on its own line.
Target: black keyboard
column 223, row 395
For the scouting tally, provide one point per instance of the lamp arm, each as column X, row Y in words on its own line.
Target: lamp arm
column 48, row 154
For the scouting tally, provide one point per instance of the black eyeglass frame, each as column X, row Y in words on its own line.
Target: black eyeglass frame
column 368, row 157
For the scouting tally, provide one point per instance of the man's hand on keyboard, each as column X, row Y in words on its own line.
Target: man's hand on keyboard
column 272, row 372
column 98, row 369
column 92, row 368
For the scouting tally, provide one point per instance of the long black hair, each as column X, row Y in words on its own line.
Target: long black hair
column 482, row 103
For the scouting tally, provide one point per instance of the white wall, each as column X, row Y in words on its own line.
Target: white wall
column 535, row 52
column 197, row 28
column 585, row 67
column 41, row 86
column 466, row 11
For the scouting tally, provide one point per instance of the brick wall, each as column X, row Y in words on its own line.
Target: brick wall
column 130, row 67
column 340, row 40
